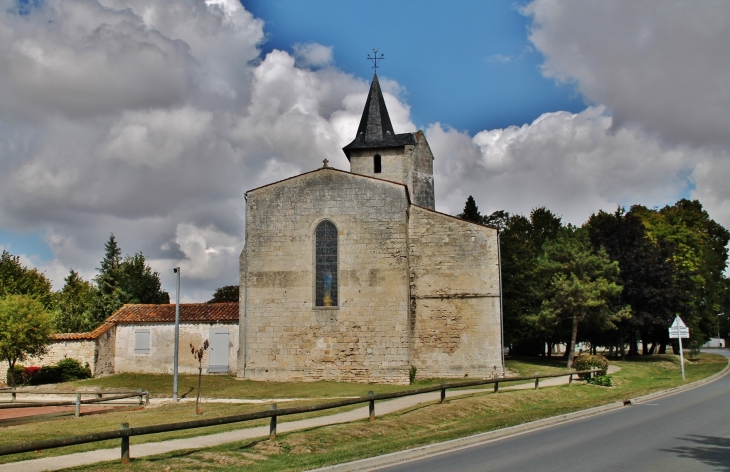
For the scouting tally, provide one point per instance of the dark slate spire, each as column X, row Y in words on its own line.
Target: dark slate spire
column 376, row 130
column 375, row 122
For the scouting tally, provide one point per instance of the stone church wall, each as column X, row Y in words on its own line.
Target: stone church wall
column 454, row 311
column 366, row 337
column 420, row 178
column 393, row 165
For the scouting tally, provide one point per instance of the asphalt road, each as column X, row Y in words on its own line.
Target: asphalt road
column 689, row 431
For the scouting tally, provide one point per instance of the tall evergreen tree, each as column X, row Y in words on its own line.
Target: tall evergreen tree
column 471, row 212
column 129, row 280
column 110, row 297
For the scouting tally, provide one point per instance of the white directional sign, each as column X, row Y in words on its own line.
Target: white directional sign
column 678, row 329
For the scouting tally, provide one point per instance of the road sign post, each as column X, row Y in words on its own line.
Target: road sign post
column 679, row 331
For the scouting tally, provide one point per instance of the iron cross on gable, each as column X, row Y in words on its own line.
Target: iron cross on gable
column 376, row 58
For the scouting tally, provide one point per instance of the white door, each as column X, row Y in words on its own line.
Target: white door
column 218, row 350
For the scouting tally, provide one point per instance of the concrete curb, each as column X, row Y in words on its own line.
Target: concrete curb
column 394, row 458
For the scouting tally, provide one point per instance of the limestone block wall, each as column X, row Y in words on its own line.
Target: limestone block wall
column 81, row 350
column 408, row 165
column 105, row 353
column 366, row 337
column 455, row 320
column 420, row 176
column 395, row 163
column 159, row 360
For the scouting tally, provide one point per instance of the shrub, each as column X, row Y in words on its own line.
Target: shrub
column 71, row 369
column 66, row 370
column 28, row 373
column 601, row 381
column 587, row 362
column 412, row 374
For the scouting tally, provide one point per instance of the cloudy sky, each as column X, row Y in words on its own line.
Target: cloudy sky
column 150, row 119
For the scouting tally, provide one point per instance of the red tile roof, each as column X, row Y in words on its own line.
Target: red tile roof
column 82, row 336
column 189, row 312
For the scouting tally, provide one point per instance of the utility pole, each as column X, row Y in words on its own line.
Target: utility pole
column 176, row 270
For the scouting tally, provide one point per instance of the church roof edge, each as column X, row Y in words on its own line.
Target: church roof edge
column 455, row 217
column 408, row 196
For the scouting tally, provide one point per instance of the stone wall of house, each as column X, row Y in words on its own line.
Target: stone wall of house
column 105, row 352
column 365, row 338
column 454, row 313
column 81, row 350
column 159, row 359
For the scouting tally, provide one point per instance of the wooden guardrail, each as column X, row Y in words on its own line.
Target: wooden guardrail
column 125, row 432
column 99, row 397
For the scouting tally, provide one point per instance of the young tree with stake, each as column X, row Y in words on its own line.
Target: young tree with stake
column 198, row 354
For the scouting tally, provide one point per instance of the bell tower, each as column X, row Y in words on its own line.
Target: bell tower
column 378, row 152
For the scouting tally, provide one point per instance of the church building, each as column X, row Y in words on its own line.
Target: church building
column 354, row 276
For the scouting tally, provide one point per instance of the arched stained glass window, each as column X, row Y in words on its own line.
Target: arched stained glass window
column 326, row 264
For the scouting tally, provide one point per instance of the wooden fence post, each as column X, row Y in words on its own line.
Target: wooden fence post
column 570, row 381
column 496, row 387
column 537, row 383
column 78, row 405
column 125, row 445
column 371, row 406
column 272, row 425
column 443, row 393
column 146, row 398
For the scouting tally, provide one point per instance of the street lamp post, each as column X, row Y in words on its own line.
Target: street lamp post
column 176, row 270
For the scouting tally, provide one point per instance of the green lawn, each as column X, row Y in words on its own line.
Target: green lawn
column 227, row 386
column 424, row 424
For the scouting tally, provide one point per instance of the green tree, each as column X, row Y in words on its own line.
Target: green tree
column 138, row 283
column 75, row 305
column 652, row 284
column 471, row 212
column 227, row 293
column 25, row 328
column 523, row 284
column 582, row 285
column 16, row 279
column 109, row 297
column 700, row 251
column 128, row 280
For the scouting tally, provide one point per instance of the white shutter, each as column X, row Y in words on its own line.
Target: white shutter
column 142, row 341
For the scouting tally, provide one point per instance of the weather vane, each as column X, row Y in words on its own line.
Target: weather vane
column 375, row 58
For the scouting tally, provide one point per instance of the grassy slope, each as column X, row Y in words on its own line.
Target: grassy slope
column 420, row 425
